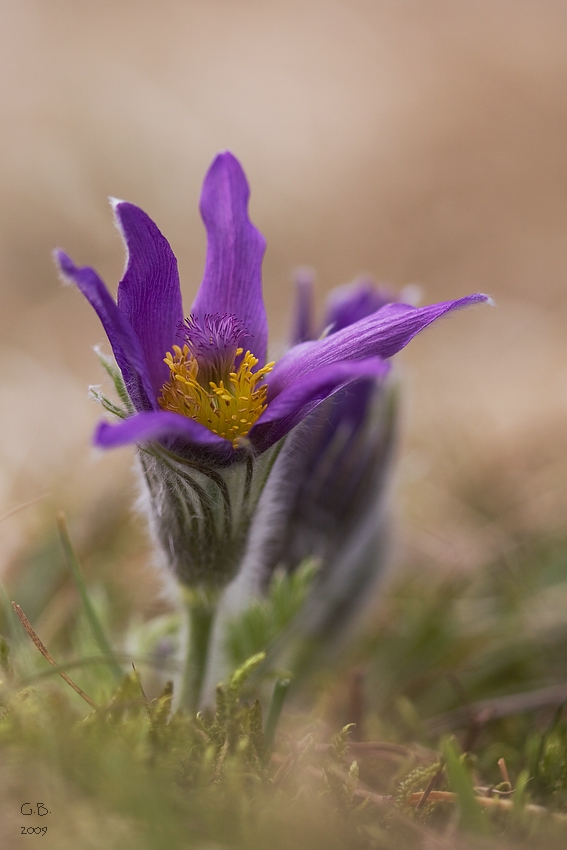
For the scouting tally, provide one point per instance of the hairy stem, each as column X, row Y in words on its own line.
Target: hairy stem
column 201, row 609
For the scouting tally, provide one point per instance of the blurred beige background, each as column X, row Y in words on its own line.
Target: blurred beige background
column 420, row 142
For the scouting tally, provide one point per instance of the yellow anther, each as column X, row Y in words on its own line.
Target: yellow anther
column 229, row 408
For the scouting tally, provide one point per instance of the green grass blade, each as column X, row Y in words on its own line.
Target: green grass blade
column 472, row 817
column 92, row 617
column 279, row 694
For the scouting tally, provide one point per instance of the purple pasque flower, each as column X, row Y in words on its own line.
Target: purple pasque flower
column 339, row 512
column 346, row 444
column 205, row 409
column 202, row 385
column 326, row 498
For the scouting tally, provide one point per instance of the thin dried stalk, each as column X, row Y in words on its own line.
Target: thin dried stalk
column 48, row 657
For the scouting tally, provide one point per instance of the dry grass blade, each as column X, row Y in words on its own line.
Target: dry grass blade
column 430, row 786
column 504, row 771
column 31, row 501
column 48, row 657
column 494, row 803
column 493, row 709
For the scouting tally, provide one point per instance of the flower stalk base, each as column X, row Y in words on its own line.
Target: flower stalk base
column 200, row 609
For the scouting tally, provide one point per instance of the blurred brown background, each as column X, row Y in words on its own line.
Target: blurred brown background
column 420, row 142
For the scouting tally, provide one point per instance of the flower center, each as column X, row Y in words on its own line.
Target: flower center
column 207, row 385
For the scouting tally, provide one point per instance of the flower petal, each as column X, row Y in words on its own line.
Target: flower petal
column 149, row 293
column 125, row 344
column 382, row 334
column 350, row 303
column 156, row 425
column 300, row 398
column 304, row 297
column 232, row 282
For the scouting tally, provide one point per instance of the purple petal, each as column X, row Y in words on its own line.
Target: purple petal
column 303, row 319
column 381, row 334
column 125, row 344
column 298, row 400
column 149, row 293
column 156, row 425
column 349, row 304
column 232, row 282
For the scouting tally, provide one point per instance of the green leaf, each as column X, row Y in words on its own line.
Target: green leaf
column 266, row 619
column 279, row 694
column 111, row 368
column 107, row 404
column 92, row 617
column 472, row 817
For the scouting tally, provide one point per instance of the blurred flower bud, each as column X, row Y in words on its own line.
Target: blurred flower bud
column 326, row 496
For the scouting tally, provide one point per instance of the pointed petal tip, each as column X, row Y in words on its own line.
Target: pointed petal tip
column 99, row 434
column 304, row 276
column 466, row 301
column 476, row 298
column 116, row 205
column 68, row 270
column 225, row 164
column 227, row 159
column 65, row 265
column 59, row 255
column 120, row 208
column 114, row 202
column 480, row 297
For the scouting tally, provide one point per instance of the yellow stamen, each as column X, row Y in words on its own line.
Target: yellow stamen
column 229, row 408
